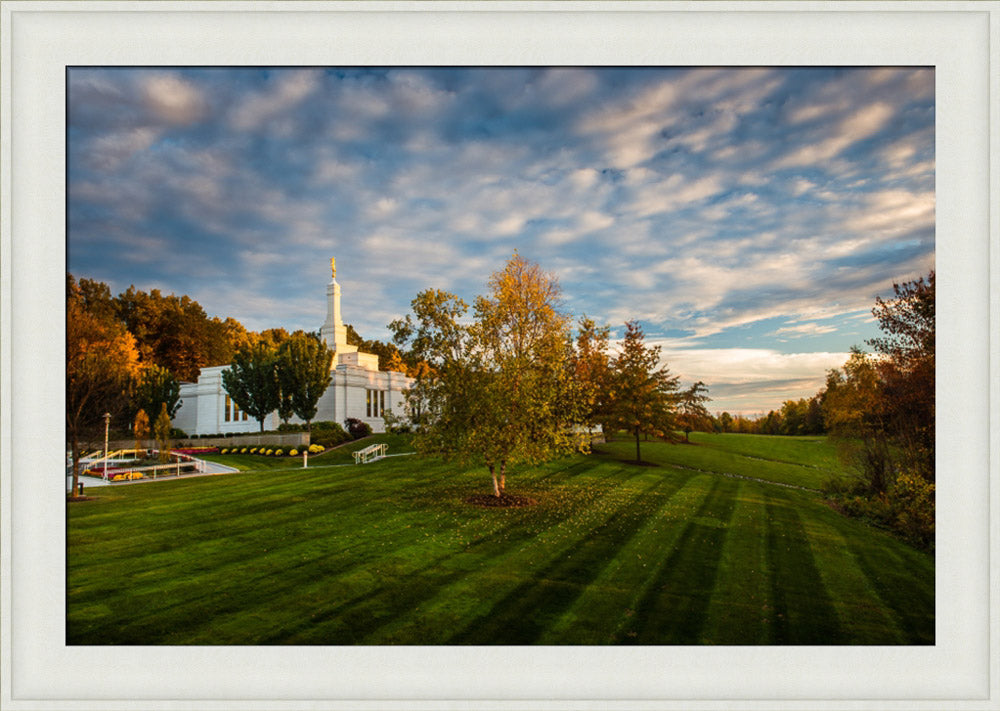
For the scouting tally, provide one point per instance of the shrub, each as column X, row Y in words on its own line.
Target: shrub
column 279, row 452
column 269, row 452
column 243, row 451
column 291, row 427
column 293, row 453
column 328, row 434
column 253, row 450
column 357, row 428
column 912, row 499
column 316, row 448
column 906, row 508
column 223, row 451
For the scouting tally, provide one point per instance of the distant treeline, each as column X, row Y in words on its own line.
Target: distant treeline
column 175, row 333
column 796, row 417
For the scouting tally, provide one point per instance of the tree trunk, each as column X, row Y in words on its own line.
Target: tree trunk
column 496, row 487
column 503, row 475
column 76, row 465
column 261, row 421
column 638, row 458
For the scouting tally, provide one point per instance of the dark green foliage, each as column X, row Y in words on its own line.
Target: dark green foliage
column 252, row 381
column 328, row 434
column 303, row 373
column 157, row 386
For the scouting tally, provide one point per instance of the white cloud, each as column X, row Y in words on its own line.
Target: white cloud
column 804, row 329
column 261, row 108
column 857, row 126
column 895, row 211
column 174, row 100
column 771, row 377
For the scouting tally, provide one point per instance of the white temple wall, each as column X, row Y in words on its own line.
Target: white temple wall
column 358, row 388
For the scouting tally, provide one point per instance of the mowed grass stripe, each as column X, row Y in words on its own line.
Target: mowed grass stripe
column 605, row 607
column 390, row 553
column 674, row 606
column 739, row 608
column 507, row 561
column 865, row 618
column 713, row 459
column 356, row 609
column 529, row 609
column 813, row 452
column 802, row 612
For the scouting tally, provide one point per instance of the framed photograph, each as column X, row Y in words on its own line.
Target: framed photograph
column 789, row 149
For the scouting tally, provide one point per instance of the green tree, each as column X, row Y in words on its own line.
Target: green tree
column 162, row 428
column 440, row 401
column 530, row 398
column 304, row 373
column 499, row 390
column 691, row 411
column 157, row 385
column 726, row 422
column 643, row 394
column 252, row 381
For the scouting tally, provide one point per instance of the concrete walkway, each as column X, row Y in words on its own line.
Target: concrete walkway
column 211, row 469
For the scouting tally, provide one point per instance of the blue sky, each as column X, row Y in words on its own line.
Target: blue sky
column 746, row 217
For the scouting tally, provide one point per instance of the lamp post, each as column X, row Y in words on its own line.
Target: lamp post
column 107, row 420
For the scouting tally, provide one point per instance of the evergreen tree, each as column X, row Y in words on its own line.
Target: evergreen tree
column 643, row 394
column 691, row 411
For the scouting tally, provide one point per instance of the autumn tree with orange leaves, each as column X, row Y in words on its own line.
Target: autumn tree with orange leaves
column 102, row 363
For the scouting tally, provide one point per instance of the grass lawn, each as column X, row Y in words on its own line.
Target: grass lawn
column 700, row 549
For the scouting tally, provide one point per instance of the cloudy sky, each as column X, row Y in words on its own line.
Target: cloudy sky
column 746, row 217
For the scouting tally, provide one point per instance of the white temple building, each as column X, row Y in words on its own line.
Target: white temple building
column 358, row 388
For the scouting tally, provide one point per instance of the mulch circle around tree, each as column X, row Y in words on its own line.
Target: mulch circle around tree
column 81, row 498
column 506, row 501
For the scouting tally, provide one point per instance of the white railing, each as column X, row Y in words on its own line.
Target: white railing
column 125, row 470
column 370, row 453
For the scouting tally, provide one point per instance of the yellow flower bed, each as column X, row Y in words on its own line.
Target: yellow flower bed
column 128, row 476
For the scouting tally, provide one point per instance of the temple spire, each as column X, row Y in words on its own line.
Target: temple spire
column 333, row 331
